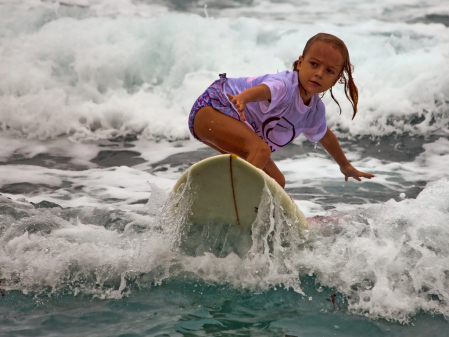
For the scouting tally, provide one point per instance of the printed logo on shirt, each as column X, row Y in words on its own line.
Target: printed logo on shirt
column 278, row 131
column 255, row 128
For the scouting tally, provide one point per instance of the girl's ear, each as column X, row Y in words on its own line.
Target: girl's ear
column 299, row 64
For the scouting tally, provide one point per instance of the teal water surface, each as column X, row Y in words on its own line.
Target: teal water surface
column 189, row 308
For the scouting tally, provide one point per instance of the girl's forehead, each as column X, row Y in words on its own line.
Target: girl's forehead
column 325, row 53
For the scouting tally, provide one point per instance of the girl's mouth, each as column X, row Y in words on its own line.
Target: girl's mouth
column 316, row 83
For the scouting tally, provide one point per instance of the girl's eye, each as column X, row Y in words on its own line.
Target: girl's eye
column 313, row 63
column 330, row 71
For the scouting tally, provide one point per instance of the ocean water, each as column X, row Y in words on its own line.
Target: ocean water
column 94, row 99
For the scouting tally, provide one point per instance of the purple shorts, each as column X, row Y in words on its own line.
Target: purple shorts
column 214, row 97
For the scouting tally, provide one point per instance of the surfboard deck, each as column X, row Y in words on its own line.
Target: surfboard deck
column 228, row 190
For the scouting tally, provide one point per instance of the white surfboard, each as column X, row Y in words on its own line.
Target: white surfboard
column 228, row 190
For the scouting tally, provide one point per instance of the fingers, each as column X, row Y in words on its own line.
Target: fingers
column 357, row 176
column 367, row 175
column 239, row 106
column 242, row 115
column 234, row 101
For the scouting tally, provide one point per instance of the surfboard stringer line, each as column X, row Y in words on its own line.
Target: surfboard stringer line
column 232, row 185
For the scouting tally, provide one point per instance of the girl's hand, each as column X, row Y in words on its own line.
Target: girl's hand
column 240, row 105
column 351, row 172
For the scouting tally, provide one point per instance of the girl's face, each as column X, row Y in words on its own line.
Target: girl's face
column 319, row 69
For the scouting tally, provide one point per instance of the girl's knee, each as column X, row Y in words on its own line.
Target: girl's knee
column 263, row 149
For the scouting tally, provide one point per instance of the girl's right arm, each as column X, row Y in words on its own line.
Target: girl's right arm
column 258, row 93
column 332, row 146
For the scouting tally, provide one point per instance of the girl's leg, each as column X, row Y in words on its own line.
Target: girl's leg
column 228, row 135
column 273, row 171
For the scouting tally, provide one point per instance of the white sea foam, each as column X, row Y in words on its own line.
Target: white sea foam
column 390, row 260
column 120, row 186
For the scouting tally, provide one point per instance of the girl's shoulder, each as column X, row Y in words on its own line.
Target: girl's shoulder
column 288, row 79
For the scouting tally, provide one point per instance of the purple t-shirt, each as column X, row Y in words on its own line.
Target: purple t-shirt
column 284, row 118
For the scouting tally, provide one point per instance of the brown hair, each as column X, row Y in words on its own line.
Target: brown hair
column 351, row 91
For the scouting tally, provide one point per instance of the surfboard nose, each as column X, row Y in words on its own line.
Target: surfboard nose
column 226, row 192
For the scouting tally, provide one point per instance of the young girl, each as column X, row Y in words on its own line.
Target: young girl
column 252, row 117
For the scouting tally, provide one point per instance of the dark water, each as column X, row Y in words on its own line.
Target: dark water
column 188, row 308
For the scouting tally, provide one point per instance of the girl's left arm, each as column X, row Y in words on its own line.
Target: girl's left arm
column 331, row 144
